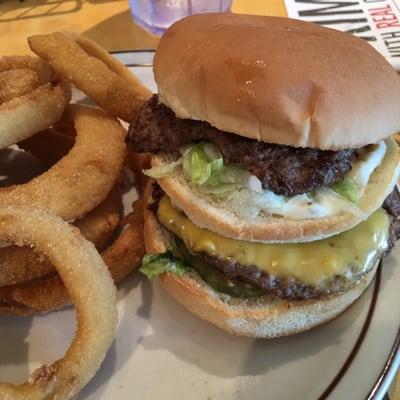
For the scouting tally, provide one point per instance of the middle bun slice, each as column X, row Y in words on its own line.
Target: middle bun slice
column 238, row 218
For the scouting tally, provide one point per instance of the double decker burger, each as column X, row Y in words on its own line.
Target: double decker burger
column 274, row 194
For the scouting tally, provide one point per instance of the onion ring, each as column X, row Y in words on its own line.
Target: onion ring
column 17, row 82
column 43, row 71
column 137, row 162
column 83, row 178
column 20, row 264
column 48, row 146
column 33, row 111
column 99, row 225
column 26, row 115
column 93, row 71
column 49, row 293
column 92, row 291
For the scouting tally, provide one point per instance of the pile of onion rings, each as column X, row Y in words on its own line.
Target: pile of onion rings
column 71, row 237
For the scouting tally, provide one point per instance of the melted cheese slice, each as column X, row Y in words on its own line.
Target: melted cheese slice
column 312, row 263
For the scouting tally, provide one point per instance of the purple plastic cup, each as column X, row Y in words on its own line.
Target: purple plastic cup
column 157, row 15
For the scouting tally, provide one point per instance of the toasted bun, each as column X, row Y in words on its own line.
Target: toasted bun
column 281, row 81
column 219, row 216
column 263, row 317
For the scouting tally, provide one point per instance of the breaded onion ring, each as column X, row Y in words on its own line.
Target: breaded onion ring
column 20, row 264
column 17, row 82
column 137, row 162
column 31, row 111
column 42, row 70
column 83, row 178
column 48, row 146
column 91, row 289
column 26, row 115
column 99, row 225
column 49, row 293
column 93, row 71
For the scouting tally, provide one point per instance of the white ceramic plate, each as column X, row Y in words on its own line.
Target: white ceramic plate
column 163, row 352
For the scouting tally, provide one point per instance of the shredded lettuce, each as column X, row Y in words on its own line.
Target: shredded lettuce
column 204, row 166
column 347, row 189
column 199, row 168
column 155, row 264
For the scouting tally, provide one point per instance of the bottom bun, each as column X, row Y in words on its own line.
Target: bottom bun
column 262, row 317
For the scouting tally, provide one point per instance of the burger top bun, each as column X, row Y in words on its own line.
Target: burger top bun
column 278, row 80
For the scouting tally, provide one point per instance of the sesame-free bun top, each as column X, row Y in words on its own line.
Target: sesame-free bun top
column 278, row 80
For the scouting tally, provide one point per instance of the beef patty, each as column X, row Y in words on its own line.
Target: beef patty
column 392, row 206
column 294, row 289
column 282, row 169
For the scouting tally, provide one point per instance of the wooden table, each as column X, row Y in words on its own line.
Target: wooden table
column 108, row 22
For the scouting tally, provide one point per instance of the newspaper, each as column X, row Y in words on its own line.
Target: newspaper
column 376, row 21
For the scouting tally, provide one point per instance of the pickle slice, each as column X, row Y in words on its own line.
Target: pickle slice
column 216, row 279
